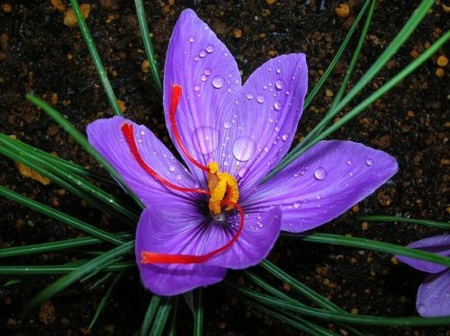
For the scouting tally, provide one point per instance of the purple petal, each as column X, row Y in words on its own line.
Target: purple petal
column 265, row 118
column 323, row 183
column 169, row 231
column 199, row 62
column 188, row 231
column 106, row 137
column 260, row 233
column 433, row 296
column 436, row 244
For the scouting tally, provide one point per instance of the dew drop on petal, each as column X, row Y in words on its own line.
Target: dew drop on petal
column 249, row 96
column 244, row 148
column 139, row 140
column 277, row 106
column 218, row 82
column 142, row 133
column 297, row 205
column 203, row 78
column 349, row 162
column 227, row 124
column 279, row 84
column 205, row 139
column 196, row 88
column 260, row 99
column 422, row 309
column 369, row 162
column 320, row 173
column 209, row 48
column 207, row 71
column 284, row 137
column 191, row 39
column 171, row 168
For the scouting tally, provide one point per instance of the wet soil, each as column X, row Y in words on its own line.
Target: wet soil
column 41, row 55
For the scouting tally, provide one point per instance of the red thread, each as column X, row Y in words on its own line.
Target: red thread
column 162, row 258
column 127, row 130
column 176, row 97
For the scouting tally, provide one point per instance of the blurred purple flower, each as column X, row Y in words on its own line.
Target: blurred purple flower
column 433, row 296
column 214, row 213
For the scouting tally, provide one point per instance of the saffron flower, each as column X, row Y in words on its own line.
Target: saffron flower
column 433, row 295
column 214, row 212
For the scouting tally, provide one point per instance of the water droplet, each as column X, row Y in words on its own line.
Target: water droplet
column 227, row 124
column 349, row 162
column 297, row 205
column 203, row 78
column 202, row 53
column 139, row 140
column 142, row 133
column 320, row 173
column 249, row 96
column 284, row 137
column 279, row 84
column 207, row 71
column 219, row 218
column 244, row 148
column 277, row 106
column 191, row 39
column 218, row 82
column 171, row 168
column 295, row 175
column 278, row 70
column 369, row 162
column 209, row 48
column 196, row 88
column 178, row 177
column 206, row 139
column 422, row 309
column 260, row 99
column 303, row 172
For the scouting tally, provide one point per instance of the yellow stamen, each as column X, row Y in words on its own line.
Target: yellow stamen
column 223, row 187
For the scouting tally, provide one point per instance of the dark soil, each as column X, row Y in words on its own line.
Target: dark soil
column 39, row 54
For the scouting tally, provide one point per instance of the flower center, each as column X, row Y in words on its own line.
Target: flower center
column 223, row 191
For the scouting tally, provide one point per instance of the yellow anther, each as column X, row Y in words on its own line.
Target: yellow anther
column 223, row 187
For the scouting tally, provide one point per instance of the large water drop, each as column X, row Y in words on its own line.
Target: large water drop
column 320, row 173
column 205, row 139
column 218, row 82
column 244, row 148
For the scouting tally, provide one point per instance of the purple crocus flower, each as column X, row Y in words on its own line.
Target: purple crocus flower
column 433, row 296
column 214, row 212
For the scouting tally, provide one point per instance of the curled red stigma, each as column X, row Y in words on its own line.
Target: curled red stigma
column 128, row 132
column 176, row 97
column 163, row 258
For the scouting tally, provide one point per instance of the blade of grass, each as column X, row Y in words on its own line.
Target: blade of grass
column 161, row 318
column 96, row 59
column 398, row 41
column 82, row 141
column 150, row 315
column 368, row 244
column 198, row 315
column 425, row 222
column 148, row 46
column 105, row 298
column 61, row 216
column 90, row 266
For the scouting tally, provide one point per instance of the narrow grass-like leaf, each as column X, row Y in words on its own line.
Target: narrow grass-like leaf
column 198, row 315
column 284, row 297
column 425, row 222
column 148, row 46
column 398, row 41
column 91, row 266
column 61, row 216
column 61, row 269
column 161, row 318
column 105, row 298
column 96, row 59
column 82, row 141
column 48, row 247
column 150, row 315
column 336, row 58
column 172, row 327
column 368, row 244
